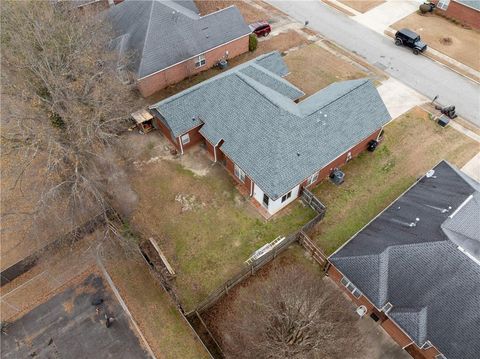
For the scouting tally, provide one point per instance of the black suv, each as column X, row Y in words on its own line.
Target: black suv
column 408, row 38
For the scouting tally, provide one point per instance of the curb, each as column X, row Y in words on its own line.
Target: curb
column 390, row 33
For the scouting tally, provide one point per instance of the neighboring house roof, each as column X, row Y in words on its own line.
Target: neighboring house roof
column 277, row 142
column 433, row 285
column 161, row 33
column 475, row 4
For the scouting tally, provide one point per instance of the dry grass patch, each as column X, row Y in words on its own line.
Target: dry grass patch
column 313, row 68
column 413, row 144
column 362, row 5
column 167, row 333
column 442, row 35
column 249, row 12
column 281, row 42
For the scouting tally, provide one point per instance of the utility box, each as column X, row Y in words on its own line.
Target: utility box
column 443, row 120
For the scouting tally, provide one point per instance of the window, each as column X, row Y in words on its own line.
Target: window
column 185, row 139
column 349, row 156
column 386, row 308
column 239, row 173
column 312, row 179
column 351, row 287
column 440, row 356
column 443, row 4
column 426, row 345
column 200, row 61
column 265, row 200
column 287, row 196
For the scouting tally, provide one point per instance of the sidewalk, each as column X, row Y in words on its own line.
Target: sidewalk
column 472, row 167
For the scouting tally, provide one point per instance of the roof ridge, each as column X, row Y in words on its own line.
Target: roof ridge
column 146, row 33
column 365, row 80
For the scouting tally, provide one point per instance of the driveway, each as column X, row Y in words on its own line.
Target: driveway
column 424, row 75
column 68, row 326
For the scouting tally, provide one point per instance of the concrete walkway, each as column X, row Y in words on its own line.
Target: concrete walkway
column 381, row 17
column 472, row 167
column 399, row 98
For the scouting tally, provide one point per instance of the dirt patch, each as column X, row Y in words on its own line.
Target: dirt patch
column 313, row 68
column 249, row 12
column 362, row 5
column 435, row 29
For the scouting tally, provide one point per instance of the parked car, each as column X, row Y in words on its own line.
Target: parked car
column 261, row 28
column 410, row 39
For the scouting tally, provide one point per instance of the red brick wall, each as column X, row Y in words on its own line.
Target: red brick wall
column 342, row 159
column 166, row 132
column 229, row 165
column 195, row 137
column 462, row 13
column 174, row 74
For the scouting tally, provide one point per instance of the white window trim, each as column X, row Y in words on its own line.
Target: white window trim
column 349, row 156
column 387, row 307
column 443, row 4
column 351, row 287
column 440, row 356
column 312, row 179
column 286, row 196
column 239, row 173
column 185, row 139
column 427, row 345
column 200, row 61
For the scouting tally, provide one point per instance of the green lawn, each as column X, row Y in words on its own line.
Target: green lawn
column 210, row 242
column 413, row 144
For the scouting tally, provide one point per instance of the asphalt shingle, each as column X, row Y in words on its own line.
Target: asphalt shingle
column 161, row 33
column 433, row 286
column 277, row 142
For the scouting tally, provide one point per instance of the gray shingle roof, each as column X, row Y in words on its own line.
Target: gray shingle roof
column 472, row 3
column 251, row 109
column 433, row 286
column 161, row 33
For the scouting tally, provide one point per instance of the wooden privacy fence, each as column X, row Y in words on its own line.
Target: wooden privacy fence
column 246, row 272
column 310, row 199
column 317, row 254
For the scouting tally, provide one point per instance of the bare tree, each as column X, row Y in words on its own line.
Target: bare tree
column 63, row 103
column 287, row 314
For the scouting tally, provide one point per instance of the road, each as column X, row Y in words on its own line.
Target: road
column 422, row 74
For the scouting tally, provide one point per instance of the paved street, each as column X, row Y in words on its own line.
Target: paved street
column 424, row 75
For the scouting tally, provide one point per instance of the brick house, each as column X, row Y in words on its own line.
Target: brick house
column 416, row 267
column 168, row 41
column 251, row 121
column 465, row 11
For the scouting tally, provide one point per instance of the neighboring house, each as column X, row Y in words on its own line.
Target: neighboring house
column 250, row 122
column 168, row 41
column 465, row 11
column 416, row 266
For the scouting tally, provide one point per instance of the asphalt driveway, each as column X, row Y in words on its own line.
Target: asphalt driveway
column 68, row 326
column 422, row 74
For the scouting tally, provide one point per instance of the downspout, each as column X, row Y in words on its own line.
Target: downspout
column 215, row 153
column 251, row 188
column 379, row 133
column 181, row 146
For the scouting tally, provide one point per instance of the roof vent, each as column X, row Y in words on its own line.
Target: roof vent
column 430, row 174
column 298, row 154
column 414, row 224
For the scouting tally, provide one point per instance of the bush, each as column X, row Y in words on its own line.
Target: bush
column 252, row 42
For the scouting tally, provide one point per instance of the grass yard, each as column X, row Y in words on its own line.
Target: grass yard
column 309, row 76
column 281, row 42
column 204, row 226
column 362, row 5
column 443, row 35
column 413, row 144
column 167, row 333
